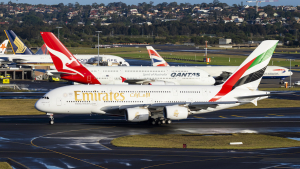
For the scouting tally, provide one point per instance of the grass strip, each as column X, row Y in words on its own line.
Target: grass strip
column 280, row 89
column 270, row 103
column 198, row 141
column 5, row 165
column 19, row 107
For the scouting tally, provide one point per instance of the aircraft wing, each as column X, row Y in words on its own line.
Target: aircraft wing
column 158, row 107
column 137, row 81
column 58, row 73
column 264, row 95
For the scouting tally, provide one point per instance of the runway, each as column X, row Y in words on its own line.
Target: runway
column 83, row 141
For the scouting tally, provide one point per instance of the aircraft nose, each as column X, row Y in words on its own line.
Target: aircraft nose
column 39, row 106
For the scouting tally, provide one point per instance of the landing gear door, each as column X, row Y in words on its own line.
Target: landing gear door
column 58, row 101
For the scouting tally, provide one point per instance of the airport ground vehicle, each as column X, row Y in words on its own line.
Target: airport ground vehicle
column 297, row 83
column 163, row 103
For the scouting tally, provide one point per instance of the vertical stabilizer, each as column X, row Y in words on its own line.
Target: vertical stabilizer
column 250, row 72
column 3, row 47
column 16, row 43
column 156, row 59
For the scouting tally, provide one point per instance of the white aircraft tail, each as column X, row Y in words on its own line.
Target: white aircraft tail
column 156, row 59
column 3, row 47
column 250, row 72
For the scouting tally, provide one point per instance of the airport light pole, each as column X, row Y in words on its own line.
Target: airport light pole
column 290, row 73
column 98, row 47
column 58, row 31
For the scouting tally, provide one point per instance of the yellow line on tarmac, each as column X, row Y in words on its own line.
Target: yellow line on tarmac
column 237, row 116
column 199, row 117
column 222, row 117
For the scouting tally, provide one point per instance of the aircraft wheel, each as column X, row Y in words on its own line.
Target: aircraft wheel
column 168, row 121
column 153, row 122
column 51, row 122
column 158, row 122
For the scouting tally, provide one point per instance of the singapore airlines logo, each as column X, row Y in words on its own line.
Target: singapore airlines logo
column 176, row 113
column 136, row 115
column 20, row 45
column 66, row 61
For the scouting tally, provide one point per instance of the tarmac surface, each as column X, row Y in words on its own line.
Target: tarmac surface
column 83, row 141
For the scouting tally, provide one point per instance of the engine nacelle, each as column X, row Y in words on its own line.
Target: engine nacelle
column 175, row 112
column 161, row 83
column 136, row 114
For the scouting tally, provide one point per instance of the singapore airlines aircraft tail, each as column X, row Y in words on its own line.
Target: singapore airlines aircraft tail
column 65, row 63
column 250, row 72
column 3, row 47
column 156, row 59
column 17, row 45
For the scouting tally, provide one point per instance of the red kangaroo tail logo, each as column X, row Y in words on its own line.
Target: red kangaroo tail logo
column 65, row 62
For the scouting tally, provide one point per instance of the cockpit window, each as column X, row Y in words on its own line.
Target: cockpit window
column 45, row 98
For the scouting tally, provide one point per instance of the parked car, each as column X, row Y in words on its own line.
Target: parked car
column 297, row 83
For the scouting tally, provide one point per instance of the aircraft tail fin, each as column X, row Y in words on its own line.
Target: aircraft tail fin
column 3, row 47
column 42, row 51
column 64, row 61
column 156, row 59
column 250, row 72
column 16, row 43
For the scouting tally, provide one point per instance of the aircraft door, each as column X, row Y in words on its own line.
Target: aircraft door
column 175, row 92
column 58, row 101
column 89, row 78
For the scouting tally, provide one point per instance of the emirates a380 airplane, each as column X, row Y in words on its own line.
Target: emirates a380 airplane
column 71, row 69
column 160, row 104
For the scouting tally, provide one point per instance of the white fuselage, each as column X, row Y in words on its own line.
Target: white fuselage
column 175, row 75
column 45, row 60
column 86, row 99
column 272, row 72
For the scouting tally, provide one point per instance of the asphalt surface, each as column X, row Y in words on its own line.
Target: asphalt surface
column 83, row 141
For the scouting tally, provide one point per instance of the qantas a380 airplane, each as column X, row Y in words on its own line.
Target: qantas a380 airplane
column 221, row 73
column 70, row 69
column 161, row 104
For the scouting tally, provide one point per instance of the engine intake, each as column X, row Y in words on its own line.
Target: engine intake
column 136, row 114
column 175, row 112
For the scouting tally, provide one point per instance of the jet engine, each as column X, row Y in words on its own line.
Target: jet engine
column 175, row 112
column 161, row 83
column 136, row 114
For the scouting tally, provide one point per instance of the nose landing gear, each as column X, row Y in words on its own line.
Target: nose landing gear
column 51, row 118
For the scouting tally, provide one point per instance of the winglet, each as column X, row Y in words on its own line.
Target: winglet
column 123, row 79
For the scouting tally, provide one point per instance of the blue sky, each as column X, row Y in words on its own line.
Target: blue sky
column 84, row 2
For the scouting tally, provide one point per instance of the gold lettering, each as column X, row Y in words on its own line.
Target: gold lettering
column 147, row 94
column 88, row 98
column 95, row 96
column 99, row 96
column 110, row 94
column 105, row 98
column 122, row 95
column 116, row 95
column 76, row 94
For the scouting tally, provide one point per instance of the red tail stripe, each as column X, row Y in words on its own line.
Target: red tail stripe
column 227, row 86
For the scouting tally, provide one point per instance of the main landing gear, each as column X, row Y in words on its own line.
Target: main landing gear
column 160, row 121
column 51, row 122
